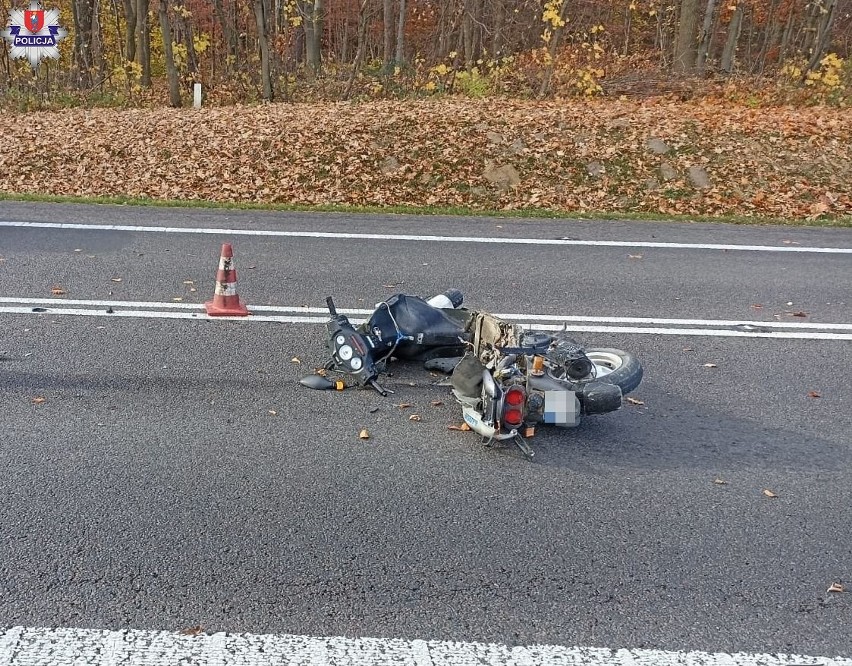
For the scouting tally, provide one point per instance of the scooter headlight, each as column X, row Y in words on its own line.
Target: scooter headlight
column 356, row 363
column 345, row 352
column 340, row 339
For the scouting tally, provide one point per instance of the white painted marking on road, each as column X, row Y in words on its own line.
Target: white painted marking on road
column 295, row 319
column 519, row 317
column 160, row 648
column 423, row 238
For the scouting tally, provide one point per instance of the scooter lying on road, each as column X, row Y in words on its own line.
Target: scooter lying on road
column 506, row 379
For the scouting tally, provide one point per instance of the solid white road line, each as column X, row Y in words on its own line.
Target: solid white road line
column 519, row 317
column 422, row 238
column 295, row 319
column 24, row 646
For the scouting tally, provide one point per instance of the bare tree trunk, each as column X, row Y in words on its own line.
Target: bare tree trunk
column 734, row 29
column 130, row 40
column 444, row 31
column 83, row 17
column 628, row 24
column 497, row 35
column 400, row 35
column 467, row 33
column 263, row 41
column 98, row 53
column 228, row 30
column 306, row 10
column 183, row 31
column 363, row 19
column 143, row 41
column 785, row 39
column 822, row 36
column 387, row 18
column 171, row 70
column 686, row 48
column 706, row 35
column 554, row 45
column 315, row 45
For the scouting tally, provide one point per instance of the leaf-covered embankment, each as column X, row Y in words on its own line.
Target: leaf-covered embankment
column 607, row 156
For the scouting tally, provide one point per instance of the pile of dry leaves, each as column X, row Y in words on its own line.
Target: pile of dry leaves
column 608, row 156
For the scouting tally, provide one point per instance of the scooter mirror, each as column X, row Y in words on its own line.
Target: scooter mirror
column 317, row 382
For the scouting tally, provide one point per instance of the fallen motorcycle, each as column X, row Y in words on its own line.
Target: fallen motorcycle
column 506, row 379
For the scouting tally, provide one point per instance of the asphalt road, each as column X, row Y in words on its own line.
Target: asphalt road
column 154, row 488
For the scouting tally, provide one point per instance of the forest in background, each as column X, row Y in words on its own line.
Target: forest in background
column 150, row 52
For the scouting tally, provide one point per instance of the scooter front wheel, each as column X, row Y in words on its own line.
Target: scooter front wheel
column 616, row 366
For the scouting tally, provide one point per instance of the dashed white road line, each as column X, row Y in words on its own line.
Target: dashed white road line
column 25, row 646
column 425, row 238
column 303, row 309
column 318, row 315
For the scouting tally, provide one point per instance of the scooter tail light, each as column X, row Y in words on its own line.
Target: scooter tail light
column 513, row 406
column 513, row 417
column 515, row 396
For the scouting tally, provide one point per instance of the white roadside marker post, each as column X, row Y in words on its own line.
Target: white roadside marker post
column 196, row 98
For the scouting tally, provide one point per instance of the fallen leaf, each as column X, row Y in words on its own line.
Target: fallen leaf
column 322, row 372
column 192, row 631
column 188, row 282
column 116, row 279
column 790, row 242
column 39, row 399
column 415, row 417
column 769, row 493
column 800, row 314
column 835, row 587
column 374, row 410
column 634, row 401
column 686, row 349
column 177, row 298
column 818, row 209
column 193, row 289
column 814, row 394
column 720, row 482
column 757, row 306
column 273, row 412
column 295, row 359
column 404, row 405
column 251, row 268
column 364, row 434
column 57, row 291
column 436, row 403
column 79, row 249
column 464, row 427
column 634, row 256
column 710, row 365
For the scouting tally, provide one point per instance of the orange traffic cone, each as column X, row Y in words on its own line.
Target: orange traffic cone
column 225, row 301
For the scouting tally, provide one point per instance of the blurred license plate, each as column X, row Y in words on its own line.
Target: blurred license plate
column 561, row 408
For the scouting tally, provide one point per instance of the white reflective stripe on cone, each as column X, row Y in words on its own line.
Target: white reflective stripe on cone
column 226, row 289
